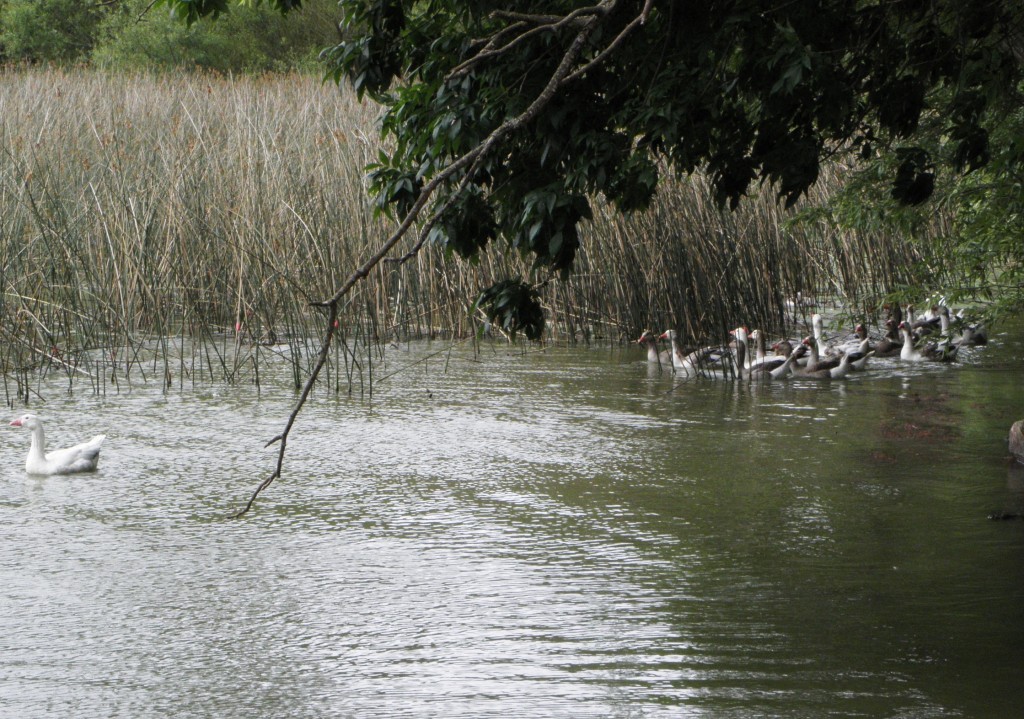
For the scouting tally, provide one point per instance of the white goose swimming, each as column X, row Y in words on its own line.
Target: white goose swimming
column 80, row 458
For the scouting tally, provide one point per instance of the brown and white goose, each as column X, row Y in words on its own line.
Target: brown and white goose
column 825, row 350
column 891, row 344
column 816, row 361
column 706, row 360
column 654, row 355
column 839, row 371
column 944, row 351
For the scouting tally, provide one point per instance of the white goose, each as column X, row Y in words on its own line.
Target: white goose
column 825, row 350
column 80, row 458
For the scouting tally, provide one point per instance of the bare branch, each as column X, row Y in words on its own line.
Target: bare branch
column 619, row 39
column 576, row 15
column 321, row 360
column 471, row 160
column 542, row 24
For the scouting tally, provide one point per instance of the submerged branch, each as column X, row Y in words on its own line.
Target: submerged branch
column 282, row 439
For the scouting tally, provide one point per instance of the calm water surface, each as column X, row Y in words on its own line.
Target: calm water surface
column 560, row 533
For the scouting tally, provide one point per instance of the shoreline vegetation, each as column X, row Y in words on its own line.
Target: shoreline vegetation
column 179, row 226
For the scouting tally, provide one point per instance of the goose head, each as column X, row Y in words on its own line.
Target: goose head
column 783, row 348
column 29, row 421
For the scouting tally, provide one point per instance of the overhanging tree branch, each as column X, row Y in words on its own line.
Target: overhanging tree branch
column 562, row 74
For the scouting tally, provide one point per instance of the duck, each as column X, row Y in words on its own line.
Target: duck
column 973, row 335
column 891, row 344
column 839, row 371
column 773, row 368
column 799, row 301
column 816, row 361
column 944, row 351
column 782, row 371
column 824, row 349
column 894, row 312
column 969, row 335
column 696, row 362
column 782, row 349
column 859, row 357
column 648, row 338
column 929, row 322
column 80, row 458
column 858, row 348
column 760, row 355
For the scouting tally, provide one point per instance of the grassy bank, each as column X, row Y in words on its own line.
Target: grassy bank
column 180, row 226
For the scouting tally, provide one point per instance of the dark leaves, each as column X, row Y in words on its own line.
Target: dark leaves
column 467, row 225
column 193, row 10
column 547, row 226
column 394, row 187
column 632, row 187
column 971, row 140
column 371, row 55
column 915, row 176
column 900, row 103
column 515, row 307
column 972, row 147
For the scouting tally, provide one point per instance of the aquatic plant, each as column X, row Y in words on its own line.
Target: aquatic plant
column 184, row 228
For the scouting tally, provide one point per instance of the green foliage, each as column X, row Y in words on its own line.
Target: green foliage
column 466, row 225
column 193, row 10
column 747, row 92
column 246, row 39
column 972, row 229
column 48, row 30
column 515, row 307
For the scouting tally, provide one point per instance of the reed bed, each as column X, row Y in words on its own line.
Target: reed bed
column 178, row 228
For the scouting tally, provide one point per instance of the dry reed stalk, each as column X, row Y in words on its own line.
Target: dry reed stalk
column 181, row 227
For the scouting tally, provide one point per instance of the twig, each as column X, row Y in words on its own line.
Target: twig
column 619, row 39
column 541, row 23
column 282, row 438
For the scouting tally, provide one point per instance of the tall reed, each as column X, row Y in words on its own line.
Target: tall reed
column 178, row 228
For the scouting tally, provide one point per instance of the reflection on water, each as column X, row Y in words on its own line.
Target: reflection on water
column 538, row 534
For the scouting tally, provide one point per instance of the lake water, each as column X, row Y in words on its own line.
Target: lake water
column 558, row 533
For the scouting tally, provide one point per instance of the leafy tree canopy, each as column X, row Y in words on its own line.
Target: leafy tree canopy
column 47, row 30
column 249, row 39
column 506, row 119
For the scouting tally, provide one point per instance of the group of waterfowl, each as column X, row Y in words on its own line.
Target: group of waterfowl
column 936, row 336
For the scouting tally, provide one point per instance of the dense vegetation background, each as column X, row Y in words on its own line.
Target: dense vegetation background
column 681, row 262
column 132, row 34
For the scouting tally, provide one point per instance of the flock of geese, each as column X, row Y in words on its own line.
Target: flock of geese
column 936, row 336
